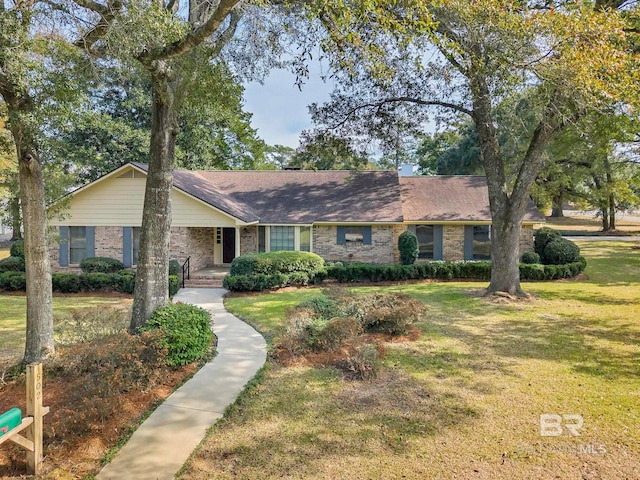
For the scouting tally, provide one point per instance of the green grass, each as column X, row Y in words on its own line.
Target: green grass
column 463, row 400
column 13, row 318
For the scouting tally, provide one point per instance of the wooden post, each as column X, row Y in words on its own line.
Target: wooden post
column 35, row 410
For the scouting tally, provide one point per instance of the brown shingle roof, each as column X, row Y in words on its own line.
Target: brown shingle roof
column 450, row 198
column 340, row 196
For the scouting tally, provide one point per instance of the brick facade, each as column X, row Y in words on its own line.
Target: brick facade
column 199, row 243
column 248, row 240
column 381, row 250
column 453, row 242
column 526, row 238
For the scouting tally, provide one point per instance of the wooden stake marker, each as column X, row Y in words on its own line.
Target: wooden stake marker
column 32, row 442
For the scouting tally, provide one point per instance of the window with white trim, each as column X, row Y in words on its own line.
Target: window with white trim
column 287, row 237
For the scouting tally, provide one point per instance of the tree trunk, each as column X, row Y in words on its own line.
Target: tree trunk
column 39, row 336
column 605, row 218
column 16, row 219
column 152, row 277
column 505, row 255
column 557, row 202
column 612, row 212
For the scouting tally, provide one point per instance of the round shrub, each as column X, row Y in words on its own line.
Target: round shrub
column 186, row 331
column 17, row 249
column 12, row 264
column 542, row 237
column 530, row 257
column 408, row 246
column 101, row 265
column 560, row 251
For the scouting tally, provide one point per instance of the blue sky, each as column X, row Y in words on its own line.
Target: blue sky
column 279, row 108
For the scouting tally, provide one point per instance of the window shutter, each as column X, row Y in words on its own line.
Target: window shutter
column 468, row 242
column 366, row 235
column 341, row 240
column 437, row 242
column 127, row 240
column 91, row 241
column 63, row 259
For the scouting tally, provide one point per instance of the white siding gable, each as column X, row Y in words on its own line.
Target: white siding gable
column 118, row 201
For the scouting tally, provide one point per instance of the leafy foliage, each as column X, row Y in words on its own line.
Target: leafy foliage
column 186, row 332
column 174, row 267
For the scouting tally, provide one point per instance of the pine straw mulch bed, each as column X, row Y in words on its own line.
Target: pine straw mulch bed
column 98, row 392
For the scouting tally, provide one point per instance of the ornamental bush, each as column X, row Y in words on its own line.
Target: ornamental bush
column 530, row 257
column 17, row 249
column 542, row 237
column 408, row 247
column 560, row 251
column 186, row 332
column 174, row 285
column 101, row 265
column 66, row 282
column 12, row 264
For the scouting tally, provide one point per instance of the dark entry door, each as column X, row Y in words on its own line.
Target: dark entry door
column 228, row 244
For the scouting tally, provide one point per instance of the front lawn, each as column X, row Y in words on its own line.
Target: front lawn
column 13, row 315
column 464, row 400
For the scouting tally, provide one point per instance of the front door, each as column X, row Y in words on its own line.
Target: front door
column 228, row 244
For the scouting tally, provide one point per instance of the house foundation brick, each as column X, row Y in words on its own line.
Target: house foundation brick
column 526, row 238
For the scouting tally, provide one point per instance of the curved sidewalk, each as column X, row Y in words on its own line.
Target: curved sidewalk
column 161, row 445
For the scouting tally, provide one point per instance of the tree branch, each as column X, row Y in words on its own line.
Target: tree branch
column 194, row 38
column 401, row 99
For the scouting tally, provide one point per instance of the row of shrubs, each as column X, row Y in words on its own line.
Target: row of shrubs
column 549, row 248
column 123, row 281
column 368, row 272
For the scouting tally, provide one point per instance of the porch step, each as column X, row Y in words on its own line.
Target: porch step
column 203, row 283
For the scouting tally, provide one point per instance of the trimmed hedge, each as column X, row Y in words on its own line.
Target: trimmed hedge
column 186, row 332
column 269, row 263
column 13, row 281
column 12, row 264
column 124, row 281
column 101, row 265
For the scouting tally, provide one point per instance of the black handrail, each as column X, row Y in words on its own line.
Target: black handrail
column 186, row 274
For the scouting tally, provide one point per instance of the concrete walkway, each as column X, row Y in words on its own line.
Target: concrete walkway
column 165, row 440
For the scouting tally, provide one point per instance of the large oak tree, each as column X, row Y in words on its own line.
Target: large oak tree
column 460, row 57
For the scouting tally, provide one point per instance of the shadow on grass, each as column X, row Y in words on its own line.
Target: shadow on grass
column 587, row 346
